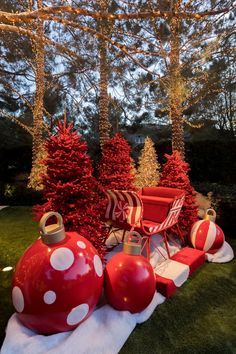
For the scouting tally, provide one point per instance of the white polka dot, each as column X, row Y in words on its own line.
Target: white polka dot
column 49, row 297
column 62, row 258
column 81, row 244
column 77, row 314
column 98, row 265
column 18, row 299
column 7, row 269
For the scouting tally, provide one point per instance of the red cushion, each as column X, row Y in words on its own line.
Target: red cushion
column 149, row 199
column 163, row 192
column 156, row 209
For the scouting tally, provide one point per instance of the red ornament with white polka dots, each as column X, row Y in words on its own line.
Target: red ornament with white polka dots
column 58, row 280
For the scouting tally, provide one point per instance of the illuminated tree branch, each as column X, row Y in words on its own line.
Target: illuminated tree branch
column 17, row 121
column 44, row 13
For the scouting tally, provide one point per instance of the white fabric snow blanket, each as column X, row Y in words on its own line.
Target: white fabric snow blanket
column 106, row 330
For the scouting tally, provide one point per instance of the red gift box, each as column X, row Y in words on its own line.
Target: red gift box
column 190, row 256
column 168, row 277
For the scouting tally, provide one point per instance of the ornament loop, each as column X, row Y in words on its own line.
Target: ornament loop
column 51, row 233
column 210, row 215
column 133, row 243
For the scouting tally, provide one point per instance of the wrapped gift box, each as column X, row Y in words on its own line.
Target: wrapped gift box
column 172, row 273
column 190, row 256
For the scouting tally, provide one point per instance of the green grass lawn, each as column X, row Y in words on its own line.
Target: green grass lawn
column 199, row 318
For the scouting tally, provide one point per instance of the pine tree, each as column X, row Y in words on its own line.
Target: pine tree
column 115, row 166
column 148, row 169
column 70, row 188
column 175, row 175
column 133, row 170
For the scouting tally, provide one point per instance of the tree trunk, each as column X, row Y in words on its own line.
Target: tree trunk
column 38, row 153
column 40, row 85
column 104, row 124
column 176, row 85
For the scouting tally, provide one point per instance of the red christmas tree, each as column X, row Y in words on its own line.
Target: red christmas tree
column 175, row 175
column 115, row 166
column 70, row 188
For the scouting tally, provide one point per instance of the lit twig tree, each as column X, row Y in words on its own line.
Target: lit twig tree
column 148, row 169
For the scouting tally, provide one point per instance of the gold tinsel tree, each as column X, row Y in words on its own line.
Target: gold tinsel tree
column 148, row 166
column 38, row 170
column 133, row 170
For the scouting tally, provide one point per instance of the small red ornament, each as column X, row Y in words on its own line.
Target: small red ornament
column 129, row 278
column 206, row 235
column 58, row 280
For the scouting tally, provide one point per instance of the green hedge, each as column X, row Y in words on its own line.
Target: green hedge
column 225, row 198
column 213, row 169
column 210, row 161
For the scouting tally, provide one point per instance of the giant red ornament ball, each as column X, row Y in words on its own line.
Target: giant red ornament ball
column 58, row 280
column 207, row 236
column 129, row 279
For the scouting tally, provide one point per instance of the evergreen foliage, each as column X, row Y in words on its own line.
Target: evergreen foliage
column 115, row 166
column 175, row 175
column 148, row 169
column 70, row 187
